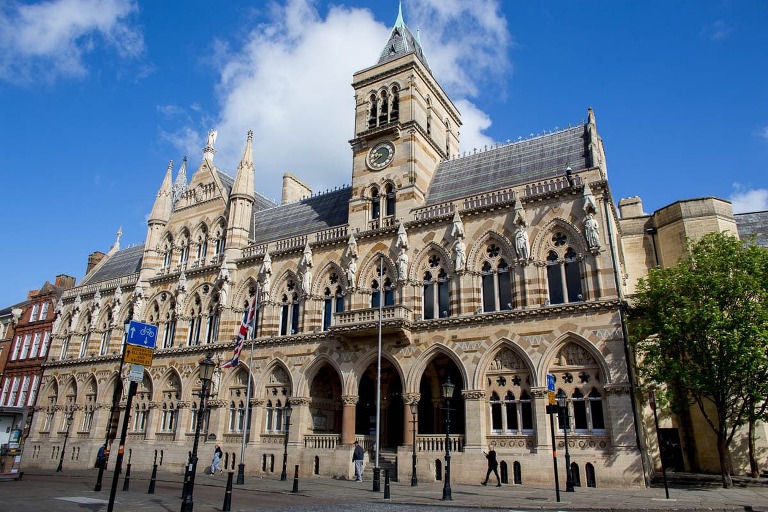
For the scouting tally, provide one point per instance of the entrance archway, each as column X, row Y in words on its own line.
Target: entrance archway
column 325, row 406
column 391, row 405
column 432, row 405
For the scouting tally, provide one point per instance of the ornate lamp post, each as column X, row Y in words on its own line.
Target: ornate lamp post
column 414, row 411
column 448, row 387
column 562, row 408
column 288, row 411
column 206, row 367
column 66, row 436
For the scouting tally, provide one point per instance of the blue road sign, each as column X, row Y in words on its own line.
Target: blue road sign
column 550, row 383
column 143, row 335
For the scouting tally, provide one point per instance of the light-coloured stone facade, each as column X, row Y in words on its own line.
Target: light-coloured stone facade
column 494, row 288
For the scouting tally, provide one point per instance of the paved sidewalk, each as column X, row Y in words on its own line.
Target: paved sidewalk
column 44, row 490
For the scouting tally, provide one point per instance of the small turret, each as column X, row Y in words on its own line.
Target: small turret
column 180, row 185
column 241, row 201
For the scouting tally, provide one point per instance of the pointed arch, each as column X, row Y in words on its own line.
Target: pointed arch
column 545, row 233
column 477, row 254
column 413, row 378
column 491, row 354
column 561, row 342
column 270, row 377
column 305, row 378
column 352, row 380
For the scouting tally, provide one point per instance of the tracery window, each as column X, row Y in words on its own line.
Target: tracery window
column 564, row 282
column 170, row 395
column 169, row 327
column 278, row 392
column 389, row 292
column 183, row 250
column 195, row 322
column 436, row 290
column 333, row 301
column 212, row 324
column 508, row 386
column 496, row 281
column 579, row 379
column 167, row 252
column 289, row 310
column 389, row 200
column 141, row 409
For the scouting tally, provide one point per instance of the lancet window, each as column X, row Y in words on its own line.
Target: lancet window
column 289, row 310
column 333, row 300
column 278, row 393
column 508, row 382
column 564, row 283
column 580, row 381
column 497, row 281
column 436, row 298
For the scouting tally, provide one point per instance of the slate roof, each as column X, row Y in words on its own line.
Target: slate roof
column 302, row 217
column 226, row 180
column 124, row 262
column 8, row 310
column 506, row 166
column 753, row 224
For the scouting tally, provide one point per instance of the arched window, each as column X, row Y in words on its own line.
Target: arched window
column 389, row 291
column 384, row 108
column 577, row 371
column 394, row 111
column 332, row 303
column 526, row 412
column 289, row 312
column 373, row 108
column 564, row 282
column 511, row 408
column 168, row 418
column 104, row 345
column 270, row 416
column 169, row 327
column 212, row 325
column 375, row 203
column 201, row 243
column 496, row 281
column 436, row 290
column 389, row 204
column 183, row 249
column 597, row 420
column 195, row 322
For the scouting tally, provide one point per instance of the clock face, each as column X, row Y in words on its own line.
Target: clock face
column 381, row 155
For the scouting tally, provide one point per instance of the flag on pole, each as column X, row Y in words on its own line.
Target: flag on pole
column 245, row 327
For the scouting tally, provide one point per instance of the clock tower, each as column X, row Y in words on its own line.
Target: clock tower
column 405, row 125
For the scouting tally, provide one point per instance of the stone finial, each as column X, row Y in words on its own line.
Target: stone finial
column 457, row 229
column 352, row 246
column 208, row 150
column 519, row 215
column 402, row 237
column 590, row 205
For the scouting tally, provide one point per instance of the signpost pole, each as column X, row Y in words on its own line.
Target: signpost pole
column 121, row 448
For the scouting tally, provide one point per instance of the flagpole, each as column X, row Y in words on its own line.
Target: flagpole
column 251, row 334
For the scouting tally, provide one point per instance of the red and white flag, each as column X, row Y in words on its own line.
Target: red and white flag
column 247, row 325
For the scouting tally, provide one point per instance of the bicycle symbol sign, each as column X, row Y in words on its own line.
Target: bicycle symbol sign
column 143, row 335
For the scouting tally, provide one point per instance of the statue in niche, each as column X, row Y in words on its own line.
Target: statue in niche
column 181, row 286
column 351, row 272
column 460, row 250
column 521, row 242
column 266, row 284
column 402, row 265
column 211, row 138
column 306, row 258
column 306, row 280
column 352, row 247
column 591, row 232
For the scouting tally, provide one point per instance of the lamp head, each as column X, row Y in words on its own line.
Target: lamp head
column 288, row 410
column 206, row 367
column 414, row 408
column 448, row 387
column 561, row 398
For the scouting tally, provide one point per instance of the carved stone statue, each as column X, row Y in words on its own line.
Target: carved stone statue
column 590, row 206
column 352, row 247
column 306, row 280
column 266, row 284
column 521, row 242
column 457, row 229
column 306, row 258
column 211, row 138
column 351, row 272
column 591, row 232
column 402, row 265
column 181, row 286
column 266, row 265
column 460, row 254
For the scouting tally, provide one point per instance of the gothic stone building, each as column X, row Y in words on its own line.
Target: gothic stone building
column 493, row 269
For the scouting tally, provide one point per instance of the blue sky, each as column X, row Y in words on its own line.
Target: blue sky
column 96, row 96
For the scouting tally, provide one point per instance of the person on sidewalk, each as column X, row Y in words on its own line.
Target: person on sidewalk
column 493, row 465
column 217, row 453
column 357, row 459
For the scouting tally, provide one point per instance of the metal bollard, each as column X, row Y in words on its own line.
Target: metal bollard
column 186, row 478
column 386, row 484
column 127, row 481
column 295, row 479
column 228, row 494
column 152, row 480
column 376, row 479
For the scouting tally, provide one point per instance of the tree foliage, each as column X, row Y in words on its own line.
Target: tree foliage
column 701, row 330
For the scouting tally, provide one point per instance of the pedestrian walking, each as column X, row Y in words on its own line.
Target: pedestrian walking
column 493, row 465
column 357, row 458
column 217, row 453
column 101, row 456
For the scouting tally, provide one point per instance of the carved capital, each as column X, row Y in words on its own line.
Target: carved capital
column 539, row 392
column 299, row 400
column 217, row 403
column 349, row 399
column 154, row 405
column 617, row 389
column 410, row 398
column 183, row 404
column 473, row 394
column 257, row 402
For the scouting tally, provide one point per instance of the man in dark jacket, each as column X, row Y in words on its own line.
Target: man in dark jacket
column 357, row 458
column 493, row 465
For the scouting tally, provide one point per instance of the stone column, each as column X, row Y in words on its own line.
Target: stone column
column 348, row 418
column 183, row 418
column 474, row 410
column 541, row 420
column 257, row 420
column 153, row 420
column 408, row 424
column 301, row 420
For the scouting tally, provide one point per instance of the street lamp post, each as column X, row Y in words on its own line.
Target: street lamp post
column 448, row 387
column 206, row 367
column 562, row 406
column 288, row 411
column 66, row 436
column 414, row 411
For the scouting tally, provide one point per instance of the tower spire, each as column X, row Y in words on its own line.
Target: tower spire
column 244, row 180
column 402, row 42
column 180, row 185
column 161, row 210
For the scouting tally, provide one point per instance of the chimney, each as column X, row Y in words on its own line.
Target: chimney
column 64, row 281
column 294, row 189
column 631, row 207
column 93, row 260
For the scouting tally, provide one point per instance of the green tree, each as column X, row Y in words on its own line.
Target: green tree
column 700, row 330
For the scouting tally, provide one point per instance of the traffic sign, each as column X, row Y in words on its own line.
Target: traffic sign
column 143, row 335
column 138, row 355
column 136, row 373
column 550, row 382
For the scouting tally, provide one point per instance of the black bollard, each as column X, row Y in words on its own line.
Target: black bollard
column 240, row 474
column 376, row 479
column 127, row 481
column 152, row 480
column 228, row 493
column 295, row 479
column 186, row 475
column 97, row 487
column 386, row 484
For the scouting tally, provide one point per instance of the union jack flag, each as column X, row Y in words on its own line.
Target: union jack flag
column 246, row 326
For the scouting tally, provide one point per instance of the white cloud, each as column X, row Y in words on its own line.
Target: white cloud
column 45, row 40
column 763, row 133
column 290, row 82
column 717, row 31
column 748, row 200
